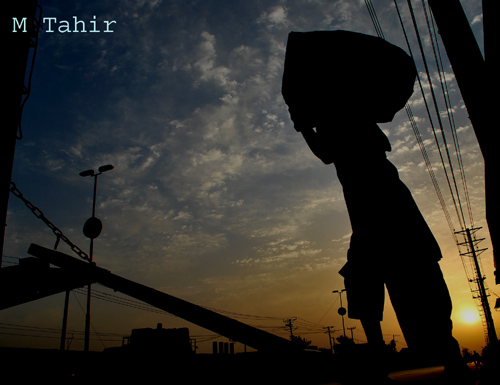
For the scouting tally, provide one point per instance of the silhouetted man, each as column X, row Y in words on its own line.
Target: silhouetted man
column 391, row 243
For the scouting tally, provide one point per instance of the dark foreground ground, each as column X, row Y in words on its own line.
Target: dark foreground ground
column 22, row 366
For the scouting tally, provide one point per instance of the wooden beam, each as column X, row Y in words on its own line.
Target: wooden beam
column 228, row 327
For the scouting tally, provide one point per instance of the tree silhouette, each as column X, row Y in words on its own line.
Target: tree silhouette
column 344, row 340
column 300, row 342
column 467, row 355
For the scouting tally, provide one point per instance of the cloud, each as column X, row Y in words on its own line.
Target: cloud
column 477, row 19
column 275, row 17
column 205, row 63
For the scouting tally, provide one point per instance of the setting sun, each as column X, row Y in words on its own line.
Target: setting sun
column 469, row 316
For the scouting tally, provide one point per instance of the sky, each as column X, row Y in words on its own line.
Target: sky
column 214, row 197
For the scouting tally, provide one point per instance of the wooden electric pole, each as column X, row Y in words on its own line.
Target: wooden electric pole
column 289, row 325
column 352, row 334
column 329, row 331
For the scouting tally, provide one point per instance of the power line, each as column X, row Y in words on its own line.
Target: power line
column 45, row 332
column 446, row 94
column 123, row 301
column 457, row 202
column 411, row 117
column 457, row 206
column 430, row 169
column 300, row 322
column 373, row 16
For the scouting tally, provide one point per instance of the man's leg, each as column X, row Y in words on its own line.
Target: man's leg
column 422, row 303
column 373, row 331
column 365, row 301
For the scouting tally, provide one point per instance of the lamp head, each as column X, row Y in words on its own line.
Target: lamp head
column 87, row 173
column 105, row 168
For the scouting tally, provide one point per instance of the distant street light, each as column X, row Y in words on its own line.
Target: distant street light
column 342, row 311
column 92, row 229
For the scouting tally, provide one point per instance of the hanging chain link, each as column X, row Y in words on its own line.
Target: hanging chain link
column 38, row 213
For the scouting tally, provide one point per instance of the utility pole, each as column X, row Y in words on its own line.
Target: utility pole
column 352, row 334
column 289, row 325
column 342, row 311
column 478, row 279
column 66, row 308
column 394, row 340
column 330, row 336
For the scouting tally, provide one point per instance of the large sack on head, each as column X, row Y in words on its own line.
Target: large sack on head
column 329, row 73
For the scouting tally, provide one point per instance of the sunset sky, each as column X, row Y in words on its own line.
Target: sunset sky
column 214, row 197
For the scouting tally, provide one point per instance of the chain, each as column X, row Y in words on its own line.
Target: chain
column 38, row 213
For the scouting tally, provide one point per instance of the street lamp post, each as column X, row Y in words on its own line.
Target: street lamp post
column 92, row 229
column 342, row 311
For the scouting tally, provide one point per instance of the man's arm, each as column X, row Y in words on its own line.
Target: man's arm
column 319, row 147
